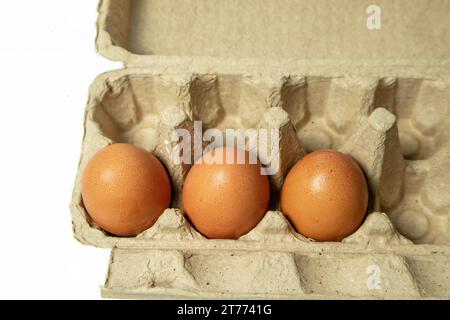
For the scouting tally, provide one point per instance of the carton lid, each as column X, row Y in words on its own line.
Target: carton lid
column 213, row 34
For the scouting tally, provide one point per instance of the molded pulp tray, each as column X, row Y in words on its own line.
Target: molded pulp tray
column 386, row 108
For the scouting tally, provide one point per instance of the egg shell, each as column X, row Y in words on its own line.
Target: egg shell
column 125, row 189
column 225, row 201
column 325, row 196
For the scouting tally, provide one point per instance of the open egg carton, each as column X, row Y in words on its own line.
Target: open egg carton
column 391, row 116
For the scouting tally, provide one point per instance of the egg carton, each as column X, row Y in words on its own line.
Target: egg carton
column 392, row 118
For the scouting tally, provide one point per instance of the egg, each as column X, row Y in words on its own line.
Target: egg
column 325, row 196
column 125, row 189
column 225, row 200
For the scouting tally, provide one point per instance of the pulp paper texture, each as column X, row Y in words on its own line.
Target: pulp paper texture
column 220, row 62
column 321, row 29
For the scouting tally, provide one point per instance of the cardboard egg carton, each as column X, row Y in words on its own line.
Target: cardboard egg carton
column 390, row 116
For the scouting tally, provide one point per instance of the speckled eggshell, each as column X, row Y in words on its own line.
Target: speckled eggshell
column 125, row 189
column 225, row 201
column 325, row 196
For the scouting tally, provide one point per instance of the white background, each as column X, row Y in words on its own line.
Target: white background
column 48, row 61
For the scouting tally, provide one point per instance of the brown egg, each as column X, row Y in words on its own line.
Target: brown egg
column 125, row 189
column 325, row 196
column 225, row 201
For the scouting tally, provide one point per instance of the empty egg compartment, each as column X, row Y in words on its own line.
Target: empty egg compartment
column 309, row 112
column 422, row 108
